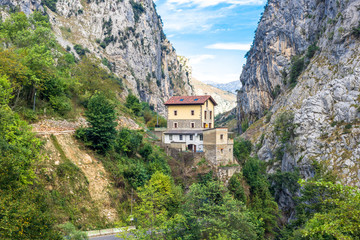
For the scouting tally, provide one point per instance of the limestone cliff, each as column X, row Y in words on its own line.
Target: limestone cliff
column 126, row 34
column 324, row 99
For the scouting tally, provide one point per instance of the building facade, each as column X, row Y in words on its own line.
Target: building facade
column 191, row 127
column 187, row 117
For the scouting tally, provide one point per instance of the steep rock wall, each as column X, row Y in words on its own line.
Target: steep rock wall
column 326, row 99
column 128, row 34
column 286, row 29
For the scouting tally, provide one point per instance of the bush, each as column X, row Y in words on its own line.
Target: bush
column 244, row 125
column 284, row 126
column 356, row 31
column 61, row 104
column 145, row 151
column 242, row 150
column 51, row 4
column 297, row 67
column 128, row 142
column 80, row 50
column 133, row 103
column 71, row 233
column 276, row 91
column 312, row 50
column 236, row 188
column 138, row 9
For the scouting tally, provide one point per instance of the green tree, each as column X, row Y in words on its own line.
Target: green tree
column 133, row 103
column 71, row 233
column 242, row 150
column 24, row 213
column 236, row 187
column 158, row 199
column 210, row 212
column 128, row 142
column 338, row 217
column 101, row 116
column 261, row 202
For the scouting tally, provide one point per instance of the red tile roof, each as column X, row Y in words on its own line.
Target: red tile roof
column 189, row 100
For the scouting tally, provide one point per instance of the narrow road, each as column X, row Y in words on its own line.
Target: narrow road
column 108, row 237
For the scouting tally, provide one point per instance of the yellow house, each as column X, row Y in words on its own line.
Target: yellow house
column 191, row 112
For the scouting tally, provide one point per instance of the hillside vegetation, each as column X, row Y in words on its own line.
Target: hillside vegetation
column 47, row 185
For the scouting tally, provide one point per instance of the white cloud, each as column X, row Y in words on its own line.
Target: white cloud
column 230, row 46
column 193, row 15
column 200, row 58
column 208, row 3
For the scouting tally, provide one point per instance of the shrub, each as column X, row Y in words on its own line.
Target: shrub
column 61, row 104
column 103, row 45
column 51, row 4
column 80, row 50
column 133, row 103
column 71, row 233
column 284, row 126
column 297, row 67
column 128, row 142
column 242, row 150
column 276, row 91
column 356, row 31
column 312, row 50
column 146, row 151
column 268, row 117
column 236, row 188
column 138, row 9
column 244, row 125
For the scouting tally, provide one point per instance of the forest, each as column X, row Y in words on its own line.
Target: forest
column 39, row 79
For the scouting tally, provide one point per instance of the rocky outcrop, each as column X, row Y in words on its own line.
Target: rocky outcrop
column 127, row 35
column 287, row 29
column 326, row 98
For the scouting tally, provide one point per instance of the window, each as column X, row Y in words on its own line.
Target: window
column 192, row 125
column 170, row 137
column 192, row 112
column 201, row 137
column 205, row 114
column 210, row 114
column 175, row 125
column 209, row 125
column 229, row 149
column 204, row 125
column 222, row 151
column 207, row 103
column 175, row 113
column 181, row 137
column 191, row 137
column 221, row 136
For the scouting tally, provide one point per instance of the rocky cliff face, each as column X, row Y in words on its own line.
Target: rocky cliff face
column 127, row 35
column 324, row 101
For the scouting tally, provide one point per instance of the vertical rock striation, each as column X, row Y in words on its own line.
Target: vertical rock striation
column 325, row 99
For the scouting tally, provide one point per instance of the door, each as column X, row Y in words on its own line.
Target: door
column 195, row 148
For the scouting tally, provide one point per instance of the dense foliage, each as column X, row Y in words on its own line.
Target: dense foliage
column 24, row 213
column 101, row 117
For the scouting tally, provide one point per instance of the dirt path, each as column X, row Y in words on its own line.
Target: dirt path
column 90, row 166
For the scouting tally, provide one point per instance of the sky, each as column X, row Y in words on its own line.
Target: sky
column 214, row 34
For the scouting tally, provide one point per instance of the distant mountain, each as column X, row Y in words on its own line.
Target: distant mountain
column 225, row 100
column 229, row 87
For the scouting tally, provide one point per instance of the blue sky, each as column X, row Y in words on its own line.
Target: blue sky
column 213, row 34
